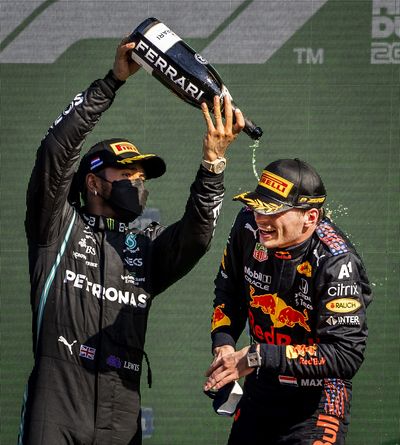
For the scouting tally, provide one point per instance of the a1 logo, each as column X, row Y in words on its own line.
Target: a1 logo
column 345, row 271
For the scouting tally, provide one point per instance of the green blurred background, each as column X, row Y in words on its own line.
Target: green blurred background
column 341, row 115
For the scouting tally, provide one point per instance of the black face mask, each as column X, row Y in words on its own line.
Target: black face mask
column 127, row 198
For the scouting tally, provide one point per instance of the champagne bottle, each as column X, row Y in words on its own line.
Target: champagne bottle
column 176, row 65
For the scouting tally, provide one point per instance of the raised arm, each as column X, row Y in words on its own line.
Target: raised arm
column 180, row 246
column 52, row 175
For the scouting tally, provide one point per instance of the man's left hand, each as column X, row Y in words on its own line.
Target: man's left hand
column 219, row 135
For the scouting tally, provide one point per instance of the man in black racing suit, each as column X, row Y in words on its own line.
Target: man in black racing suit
column 94, row 275
column 301, row 286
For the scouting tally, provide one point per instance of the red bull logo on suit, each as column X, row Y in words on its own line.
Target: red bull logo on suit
column 219, row 318
column 281, row 314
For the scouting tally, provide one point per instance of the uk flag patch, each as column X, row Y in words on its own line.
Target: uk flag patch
column 87, row 352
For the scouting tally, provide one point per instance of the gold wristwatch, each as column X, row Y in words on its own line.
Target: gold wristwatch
column 217, row 166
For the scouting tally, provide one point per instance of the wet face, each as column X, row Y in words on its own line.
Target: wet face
column 284, row 229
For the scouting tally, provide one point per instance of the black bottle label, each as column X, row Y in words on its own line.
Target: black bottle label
column 165, row 56
column 156, row 51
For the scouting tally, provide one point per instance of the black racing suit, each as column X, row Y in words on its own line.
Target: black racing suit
column 306, row 306
column 93, row 280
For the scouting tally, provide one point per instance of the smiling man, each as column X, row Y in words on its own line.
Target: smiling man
column 298, row 282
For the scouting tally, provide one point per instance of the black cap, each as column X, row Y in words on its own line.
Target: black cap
column 285, row 184
column 118, row 153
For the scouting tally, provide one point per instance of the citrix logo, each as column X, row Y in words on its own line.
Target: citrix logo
column 343, row 289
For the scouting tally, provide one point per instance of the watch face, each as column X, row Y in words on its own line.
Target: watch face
column 217, row 166
column 220, row 167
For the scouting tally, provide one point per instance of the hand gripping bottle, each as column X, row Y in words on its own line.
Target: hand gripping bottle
column 177, row 66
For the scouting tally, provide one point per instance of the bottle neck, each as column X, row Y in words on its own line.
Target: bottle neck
column 250, row 128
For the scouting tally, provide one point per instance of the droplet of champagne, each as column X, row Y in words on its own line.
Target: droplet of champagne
column 254, row 146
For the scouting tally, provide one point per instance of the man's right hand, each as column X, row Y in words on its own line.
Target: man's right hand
column 229, row 366
column 219, row 352
column 124, row 65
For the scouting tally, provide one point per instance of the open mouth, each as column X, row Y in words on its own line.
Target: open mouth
column 266, row 232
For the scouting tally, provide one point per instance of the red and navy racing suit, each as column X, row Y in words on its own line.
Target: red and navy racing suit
column 93, row 280
column 306, row 306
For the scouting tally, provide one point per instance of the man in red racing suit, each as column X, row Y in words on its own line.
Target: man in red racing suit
column 94, row 275
column 301, row 286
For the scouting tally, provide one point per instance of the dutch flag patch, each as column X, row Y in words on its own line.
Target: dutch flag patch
column 96, row 162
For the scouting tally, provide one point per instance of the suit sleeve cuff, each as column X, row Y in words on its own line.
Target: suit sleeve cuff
column 204, row 172
column 222, row 339
column 112, row 81
column 270, row 357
